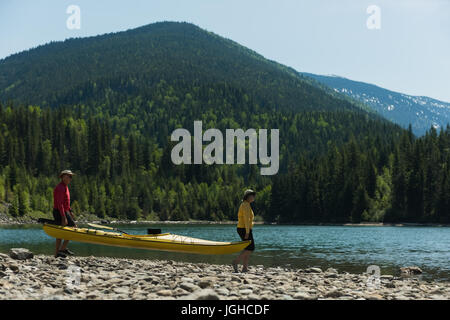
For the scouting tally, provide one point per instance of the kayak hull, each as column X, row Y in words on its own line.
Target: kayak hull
column 162, row 242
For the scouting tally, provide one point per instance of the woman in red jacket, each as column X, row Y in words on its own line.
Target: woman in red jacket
column 62, row 214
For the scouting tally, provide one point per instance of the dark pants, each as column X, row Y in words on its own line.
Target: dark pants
column 241, row 232
column 58, row 218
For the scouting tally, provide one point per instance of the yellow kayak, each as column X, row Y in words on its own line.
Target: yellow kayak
column 163, row 241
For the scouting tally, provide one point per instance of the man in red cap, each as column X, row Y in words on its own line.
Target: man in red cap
column 62, row 213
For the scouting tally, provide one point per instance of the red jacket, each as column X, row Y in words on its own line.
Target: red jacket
column 61, row 198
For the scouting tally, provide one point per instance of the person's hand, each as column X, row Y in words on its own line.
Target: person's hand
column 73, row 219
column 246, row 236
column 64, row 221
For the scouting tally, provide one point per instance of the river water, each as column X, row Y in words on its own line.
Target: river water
column 346, row 248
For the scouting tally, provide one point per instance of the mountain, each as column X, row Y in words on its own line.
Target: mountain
column 129, row 62
column 150, row 80
column 421, row 112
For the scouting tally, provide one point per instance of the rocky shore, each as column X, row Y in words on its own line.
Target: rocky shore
column 24, row 276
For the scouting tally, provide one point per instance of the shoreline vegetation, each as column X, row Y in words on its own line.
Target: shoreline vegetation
column 8, row 220
column 203, row 222
column 44, row 277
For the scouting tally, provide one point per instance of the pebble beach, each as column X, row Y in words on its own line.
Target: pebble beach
column 40, row 277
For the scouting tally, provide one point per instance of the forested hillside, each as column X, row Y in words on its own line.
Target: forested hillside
column 106, row 70
column 105, row 107
column 408, row 181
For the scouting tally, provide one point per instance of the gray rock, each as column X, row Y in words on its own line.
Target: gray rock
column 4, row 256
column 203, row 294
column 409, row 271
column 436, row 291
column 13, row 266
column 373, row 296
column 223, row 291
column 331, row 275
column 245, row 291
column 121, row 290
column 20, row 254
column 189, row 286
column 68, row 290
column 333, row 294
column 179, row 292
column 331, row 270
column 164, row 293
column 400, row 297
column 313, row 270
column 303, row 296
column 205, row 284
column 186, row 279
column 235, row 279
column 438, row 297
column 390, row 285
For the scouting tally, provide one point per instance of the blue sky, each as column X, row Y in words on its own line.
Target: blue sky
column 410, row 53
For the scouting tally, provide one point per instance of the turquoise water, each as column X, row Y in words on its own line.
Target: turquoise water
column 347, row 248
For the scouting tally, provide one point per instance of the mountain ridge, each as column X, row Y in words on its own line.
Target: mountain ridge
column 421, row 111
column 35, row 76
